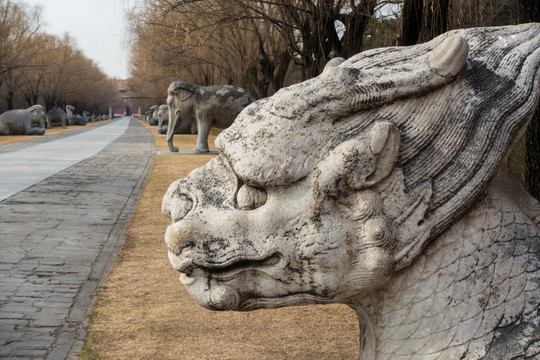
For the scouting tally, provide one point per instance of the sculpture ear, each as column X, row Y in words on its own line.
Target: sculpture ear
column 185, row 94
column 360, row 162
column 35, row 110
column 182, row 89
column 185, row 90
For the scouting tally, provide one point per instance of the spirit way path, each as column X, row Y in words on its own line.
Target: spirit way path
column 61, row 222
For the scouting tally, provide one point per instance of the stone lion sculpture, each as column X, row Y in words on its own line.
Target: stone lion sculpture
column 379, row 185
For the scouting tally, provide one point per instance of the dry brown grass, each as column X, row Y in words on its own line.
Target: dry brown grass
column 145, row 313
column 182, row 142
column 8, row 139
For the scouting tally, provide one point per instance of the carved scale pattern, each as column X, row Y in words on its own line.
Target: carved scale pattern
column 467, row 294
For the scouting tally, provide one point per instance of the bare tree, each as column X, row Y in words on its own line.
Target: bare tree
column 32, row 81
column 317, row 31
column 37, row 67
column 253, row 44
column 18, row 24
column 412, row 21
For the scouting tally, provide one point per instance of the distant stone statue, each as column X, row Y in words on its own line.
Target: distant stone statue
column 380, row 185
column 152, row 115
column 74, row 119
column 155, row 114
column 56, row 115
column 163, row 118
column 211, row 106
column 19, row 121
column 187, row 126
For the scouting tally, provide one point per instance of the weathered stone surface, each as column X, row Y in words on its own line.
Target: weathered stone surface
column 378, row 184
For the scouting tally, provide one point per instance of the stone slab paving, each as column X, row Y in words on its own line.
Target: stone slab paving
column 58, row 239
column 32, row 164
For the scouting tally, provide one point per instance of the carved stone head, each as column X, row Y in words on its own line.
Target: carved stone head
column 163, row 112
column 331, row 187
column 37, row 114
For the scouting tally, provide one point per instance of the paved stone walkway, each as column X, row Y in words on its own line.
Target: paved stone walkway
column 58, row 239
column 33, row 164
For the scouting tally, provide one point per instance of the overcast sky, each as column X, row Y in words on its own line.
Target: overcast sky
column 98, row 27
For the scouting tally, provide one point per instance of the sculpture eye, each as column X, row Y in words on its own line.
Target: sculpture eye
column 250, row 198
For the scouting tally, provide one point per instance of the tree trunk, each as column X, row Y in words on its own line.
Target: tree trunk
column 434, row 19
column 532, row 157
column 353, row 40
column 530, row 12
column 9, row 99
column 411, row 21
column 422, row 20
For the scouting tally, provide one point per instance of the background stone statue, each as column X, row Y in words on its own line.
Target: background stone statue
column 155, row 114
column 151, row 115
column 379, row 184
column 188, row 125
column 74, row 119
column 19, row 121
column 163, row 118
column 69, row 113
column 89, row 117
column 211, row 106
column 56, row 115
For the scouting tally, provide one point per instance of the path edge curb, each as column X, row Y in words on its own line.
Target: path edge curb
column 72, row 338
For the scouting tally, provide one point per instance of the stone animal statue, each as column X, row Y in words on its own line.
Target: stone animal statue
column 78, row 120
column 89, row 117
column 148, row 117
column 56, row 115
column 163, row 118
column 187, row 126
column 379, row 184
column 155, row 113
column 19, row 121
column 69, row 113
column 211, row 106
column 152, row 117
column 74, row 119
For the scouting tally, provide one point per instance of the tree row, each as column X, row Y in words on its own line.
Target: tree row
column 40, row 68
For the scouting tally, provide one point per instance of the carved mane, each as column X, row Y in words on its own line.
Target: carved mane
column 455, row 150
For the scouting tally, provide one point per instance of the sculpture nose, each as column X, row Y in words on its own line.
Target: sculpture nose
column 177, row 237
column 177, row 207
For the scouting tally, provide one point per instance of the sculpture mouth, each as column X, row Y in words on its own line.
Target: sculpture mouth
column 228, row 270
column 293, row 299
